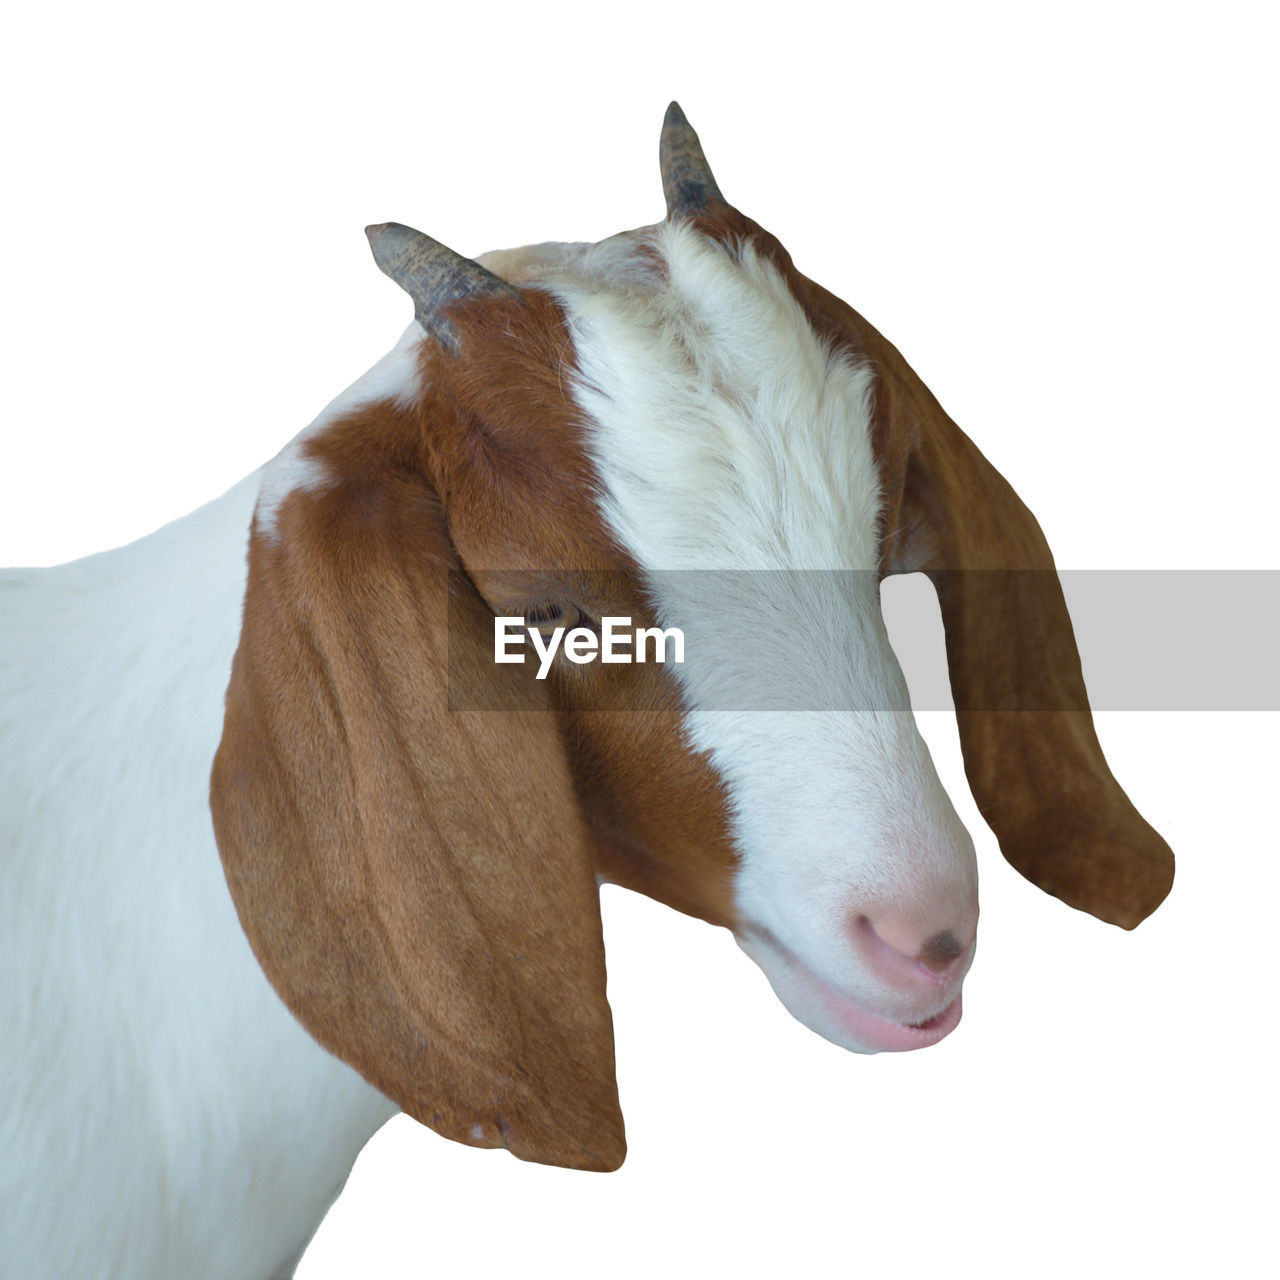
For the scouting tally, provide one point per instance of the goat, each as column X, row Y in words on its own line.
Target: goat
column 285, row 850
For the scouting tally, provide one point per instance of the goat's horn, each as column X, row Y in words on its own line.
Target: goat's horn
column 687, row 181
column 429, row 273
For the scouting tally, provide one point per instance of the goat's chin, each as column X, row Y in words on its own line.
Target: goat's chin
column 834, row 1016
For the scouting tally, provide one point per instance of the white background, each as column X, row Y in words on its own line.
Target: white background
column 1065, row 219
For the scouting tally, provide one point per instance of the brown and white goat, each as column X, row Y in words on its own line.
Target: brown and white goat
column 672, row 426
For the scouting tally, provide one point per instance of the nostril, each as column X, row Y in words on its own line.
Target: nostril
column 939, row 951
column 900, row 954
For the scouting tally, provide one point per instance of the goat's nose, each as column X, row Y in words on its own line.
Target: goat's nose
column 900, row 952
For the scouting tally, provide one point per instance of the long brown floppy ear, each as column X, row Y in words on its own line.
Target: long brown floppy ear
column 1030, row 750
column 415, row 881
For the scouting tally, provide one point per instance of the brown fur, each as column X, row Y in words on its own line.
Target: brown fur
column 418, row 881
column 521, row 497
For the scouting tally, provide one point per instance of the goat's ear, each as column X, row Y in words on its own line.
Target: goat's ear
column 415, row 881
column 1030, row 750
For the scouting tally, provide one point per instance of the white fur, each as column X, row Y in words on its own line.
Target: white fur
column 162, row 1114
column 730, row 438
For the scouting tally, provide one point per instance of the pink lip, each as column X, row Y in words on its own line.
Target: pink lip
column 857, row 1024
column 880, row 1033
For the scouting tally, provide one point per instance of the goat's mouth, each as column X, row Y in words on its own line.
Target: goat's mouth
column 832, row 1014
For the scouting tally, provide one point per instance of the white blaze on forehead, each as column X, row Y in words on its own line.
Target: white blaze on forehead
column 394, row 377
column 727, row 433
column 734, row 447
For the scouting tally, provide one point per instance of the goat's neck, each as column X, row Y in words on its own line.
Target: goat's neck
column 163, row 1074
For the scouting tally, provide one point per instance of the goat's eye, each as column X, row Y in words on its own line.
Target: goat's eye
column 549, row 615
column 537, row 615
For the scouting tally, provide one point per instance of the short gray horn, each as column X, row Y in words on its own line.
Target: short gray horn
column 430, row 274
column 686, row 176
